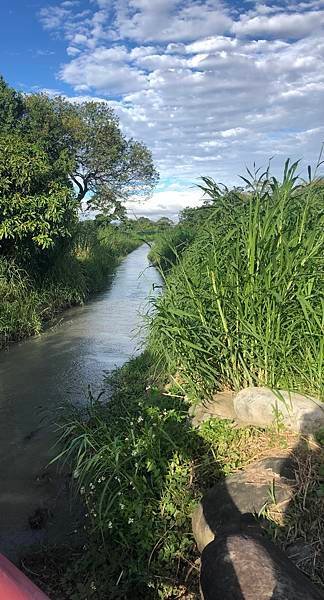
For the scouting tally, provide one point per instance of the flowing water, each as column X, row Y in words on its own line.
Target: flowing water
column 37, row 377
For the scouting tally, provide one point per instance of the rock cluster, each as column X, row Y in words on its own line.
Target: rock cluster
column 238, row 561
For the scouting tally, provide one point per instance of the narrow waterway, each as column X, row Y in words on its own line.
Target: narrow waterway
column 37, row 377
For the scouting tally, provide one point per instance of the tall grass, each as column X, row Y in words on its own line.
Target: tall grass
column 170, row 245
column 245, row 306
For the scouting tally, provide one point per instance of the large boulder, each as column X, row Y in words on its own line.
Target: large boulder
column 268, row 481
column 243, row 564
column 220, row 406
column 262, row 407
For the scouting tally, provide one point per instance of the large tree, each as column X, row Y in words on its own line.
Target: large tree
column 11, row 107
column 36, row 210
column 104, row 165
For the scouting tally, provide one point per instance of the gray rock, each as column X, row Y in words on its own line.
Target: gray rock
column 244, row 492
column 220, row 406
column 245, row 565
column 262, row 407
column 203, row 534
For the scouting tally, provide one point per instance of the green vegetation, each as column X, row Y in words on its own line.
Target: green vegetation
column 243, row 303
column 53, row 155
column 29, row 298
column 140, row 468
column 244, row 306
column 87, row 141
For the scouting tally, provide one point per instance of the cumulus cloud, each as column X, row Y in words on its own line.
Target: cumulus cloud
column 281, row 25
column 208, row 87
column 166, row 203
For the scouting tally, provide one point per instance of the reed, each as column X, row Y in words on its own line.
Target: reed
column 245, row 305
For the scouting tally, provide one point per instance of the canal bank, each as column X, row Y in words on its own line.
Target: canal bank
column 37, row 378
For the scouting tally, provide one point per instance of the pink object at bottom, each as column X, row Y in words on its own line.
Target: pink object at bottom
column 14, row 585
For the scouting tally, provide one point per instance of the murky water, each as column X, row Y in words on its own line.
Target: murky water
column 38, row 376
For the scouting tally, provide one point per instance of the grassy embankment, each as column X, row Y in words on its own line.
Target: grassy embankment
column 243, row 304
column 29, row 299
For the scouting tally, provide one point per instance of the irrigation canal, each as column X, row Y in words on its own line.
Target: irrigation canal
column 37, row 378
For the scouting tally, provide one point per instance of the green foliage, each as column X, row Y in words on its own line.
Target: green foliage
column 26, row 304
column 169, row 246
column 245, row 304
column 11, row 107
column 140, row 468
column 86, row 141
column 47, row 260
column 43, row 125
column 28, row 298
column 35, row 210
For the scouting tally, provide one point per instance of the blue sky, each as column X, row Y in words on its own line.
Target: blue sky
column 209, row 85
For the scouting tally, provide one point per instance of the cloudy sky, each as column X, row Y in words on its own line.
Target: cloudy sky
column 209, row 85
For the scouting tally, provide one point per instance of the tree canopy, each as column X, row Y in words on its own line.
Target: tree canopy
column 56, row 155
column 35, row 209
column 86, row 141
column 11, row 107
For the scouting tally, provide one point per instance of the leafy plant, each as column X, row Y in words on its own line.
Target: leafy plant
column 140, row 468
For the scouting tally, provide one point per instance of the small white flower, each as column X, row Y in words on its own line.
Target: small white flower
column 130, row 521
column 110, row 525
column 122, row 506
column 82, row 490
column 140, row 419
column 92, row 585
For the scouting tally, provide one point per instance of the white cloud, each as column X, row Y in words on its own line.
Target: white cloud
column 281, row 25
column 207, row 87
column 165, row 203
column 103, row 69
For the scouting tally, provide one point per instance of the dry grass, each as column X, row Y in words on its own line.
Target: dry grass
column 299, row 527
